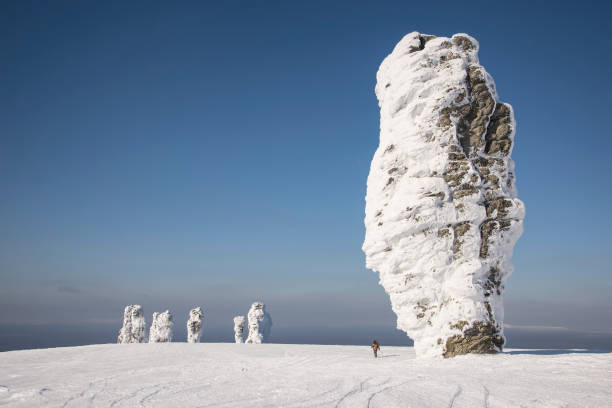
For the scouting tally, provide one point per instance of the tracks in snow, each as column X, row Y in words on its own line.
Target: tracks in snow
column 364, row 394
column 226, row 375
column 455, row 395
column 486, row 396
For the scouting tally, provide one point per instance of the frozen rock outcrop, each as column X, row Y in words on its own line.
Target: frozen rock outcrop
column 162, row 328
column 194, row 325
column 260, row 324
column 442, row 215
column 133, row 328
column 239, row 323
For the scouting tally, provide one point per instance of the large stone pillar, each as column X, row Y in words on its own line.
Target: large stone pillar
column 442, row 214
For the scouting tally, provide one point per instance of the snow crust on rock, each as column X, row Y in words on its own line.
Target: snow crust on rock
column 239, row 323
column 260, row 324
column 442, row 215
column 194, row 325
column 162, row 328
column 133, row 329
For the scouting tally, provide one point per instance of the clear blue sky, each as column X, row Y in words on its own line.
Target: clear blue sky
column 176, row 154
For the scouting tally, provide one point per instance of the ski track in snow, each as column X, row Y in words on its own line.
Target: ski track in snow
column 455, row 395
column 486, row 396
column 77, row 396
column 354, row 391
column 127, row 397
column 371, row 397
column 292, row 376
column 150, row 395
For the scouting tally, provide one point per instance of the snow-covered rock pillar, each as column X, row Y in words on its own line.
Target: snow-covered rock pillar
column 442, row 215
column 260, row 324
column 133, row 328
column 239, row 323
column 194, row 325
column 162, row 328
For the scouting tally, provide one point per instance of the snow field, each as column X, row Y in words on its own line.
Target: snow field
column 279, row 375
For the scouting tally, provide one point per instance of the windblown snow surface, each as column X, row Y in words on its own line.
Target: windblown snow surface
column 279, row 375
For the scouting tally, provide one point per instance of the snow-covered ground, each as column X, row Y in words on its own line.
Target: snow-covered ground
column 279, row 375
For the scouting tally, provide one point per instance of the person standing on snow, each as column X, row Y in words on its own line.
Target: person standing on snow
column 375, row 347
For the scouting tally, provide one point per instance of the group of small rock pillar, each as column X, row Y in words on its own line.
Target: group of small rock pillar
column 161, row 331
column 260, row 325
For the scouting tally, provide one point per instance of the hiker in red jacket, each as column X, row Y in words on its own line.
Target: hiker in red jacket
column 375, row 348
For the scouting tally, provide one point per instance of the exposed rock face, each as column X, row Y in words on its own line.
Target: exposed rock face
column 194, row 325
column 162, row 328
column 133, row 325
column 260, row 324
column 239, row 323
column 442, row 215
